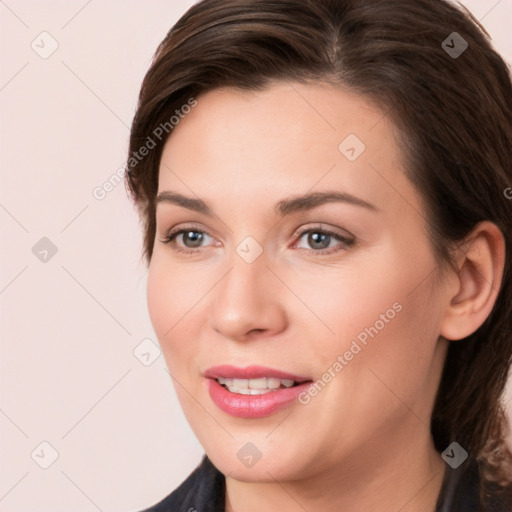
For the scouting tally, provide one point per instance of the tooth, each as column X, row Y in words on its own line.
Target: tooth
column 225, row 381
column 260, row 383
column 273, row 383
column 248, row 391
column 259, row 391
column 241, row 383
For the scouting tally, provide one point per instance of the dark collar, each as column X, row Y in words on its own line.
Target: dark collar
column 202, row 491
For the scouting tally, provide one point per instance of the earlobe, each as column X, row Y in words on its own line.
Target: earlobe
column 479, row 279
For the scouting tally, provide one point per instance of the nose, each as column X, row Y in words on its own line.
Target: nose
column 246, row 302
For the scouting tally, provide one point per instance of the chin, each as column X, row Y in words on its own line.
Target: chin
column 266, row 469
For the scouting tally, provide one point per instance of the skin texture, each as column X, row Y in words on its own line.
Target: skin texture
column 363, row 442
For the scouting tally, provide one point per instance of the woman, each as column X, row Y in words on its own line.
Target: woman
column 323, row 190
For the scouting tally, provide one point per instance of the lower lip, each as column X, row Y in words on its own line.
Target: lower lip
column 253, row 406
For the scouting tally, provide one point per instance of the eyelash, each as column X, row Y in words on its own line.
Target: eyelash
column 347, row 242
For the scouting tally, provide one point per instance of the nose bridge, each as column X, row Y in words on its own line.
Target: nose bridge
column 244, row 300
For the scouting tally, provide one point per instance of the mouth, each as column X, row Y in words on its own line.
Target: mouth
column 254, row 391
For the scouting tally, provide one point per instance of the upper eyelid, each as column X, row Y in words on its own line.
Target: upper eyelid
column 328, row 230
column 192, row 227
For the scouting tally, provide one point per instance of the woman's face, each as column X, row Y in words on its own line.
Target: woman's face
column 338, row 291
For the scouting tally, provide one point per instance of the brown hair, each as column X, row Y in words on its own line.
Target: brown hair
column 453, row 117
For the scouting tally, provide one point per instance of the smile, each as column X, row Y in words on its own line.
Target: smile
column 254, row 391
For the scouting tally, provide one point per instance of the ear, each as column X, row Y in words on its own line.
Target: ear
column 480, row 272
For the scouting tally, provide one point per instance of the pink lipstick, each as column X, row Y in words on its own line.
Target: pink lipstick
column 253, row 391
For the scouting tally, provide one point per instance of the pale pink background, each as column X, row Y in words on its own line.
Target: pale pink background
column 68, row 374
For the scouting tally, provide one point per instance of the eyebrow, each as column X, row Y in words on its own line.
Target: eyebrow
column 282, row 208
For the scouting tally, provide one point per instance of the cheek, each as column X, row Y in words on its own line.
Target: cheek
column 160, row 305
column 379, row 301
column 388, row 335
column 385, row 304
column 353, row 297
column 171, row 295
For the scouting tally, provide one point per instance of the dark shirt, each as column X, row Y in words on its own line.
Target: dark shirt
column 204, row 491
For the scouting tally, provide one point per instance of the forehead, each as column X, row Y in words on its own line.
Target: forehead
column 284, row 140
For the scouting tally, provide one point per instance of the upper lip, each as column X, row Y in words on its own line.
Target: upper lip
column 250, row 372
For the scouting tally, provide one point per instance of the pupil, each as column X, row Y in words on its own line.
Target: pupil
column 314, row 240
column 195, row 237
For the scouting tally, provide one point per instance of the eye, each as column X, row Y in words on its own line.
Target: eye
column 321, row 240
column 189, row 237
column 190, row 240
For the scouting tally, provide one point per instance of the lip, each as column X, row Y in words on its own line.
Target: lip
column 250, row 372
column 252, row 406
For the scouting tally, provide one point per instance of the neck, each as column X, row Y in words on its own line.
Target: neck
column 403, row 476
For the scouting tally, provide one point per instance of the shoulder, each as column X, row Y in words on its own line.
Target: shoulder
column 202, row 491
